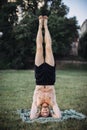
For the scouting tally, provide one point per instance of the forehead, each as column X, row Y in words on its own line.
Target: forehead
column 45, row 105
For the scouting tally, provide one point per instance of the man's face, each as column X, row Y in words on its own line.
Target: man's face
column 45, row 110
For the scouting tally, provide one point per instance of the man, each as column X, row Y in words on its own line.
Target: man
column 44, row 94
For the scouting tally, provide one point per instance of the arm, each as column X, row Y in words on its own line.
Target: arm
column 35, row 105
column 56, row 112
column 34, row 108
column 34, row 114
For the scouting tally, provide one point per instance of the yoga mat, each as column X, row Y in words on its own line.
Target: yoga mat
column 66, row 114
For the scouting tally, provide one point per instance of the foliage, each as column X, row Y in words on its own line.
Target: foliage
column 63, row 30
column 59, row 8
column 18, row 41
column 83, row 46
column 25, row 35
column 61, row 33
column 8, row 18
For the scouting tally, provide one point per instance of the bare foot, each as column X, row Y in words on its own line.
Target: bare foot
column 45, row 21
column 41, row 20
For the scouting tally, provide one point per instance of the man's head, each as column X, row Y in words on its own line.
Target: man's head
column 45, row 111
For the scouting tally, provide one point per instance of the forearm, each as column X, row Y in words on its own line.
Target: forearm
column 54, row 115
column 33, row 113
column 34, row 116
column 56, row 111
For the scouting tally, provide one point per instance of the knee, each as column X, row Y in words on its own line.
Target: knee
column 39, row 46
column 48, row 50
column 39, row 50
column 48, row 47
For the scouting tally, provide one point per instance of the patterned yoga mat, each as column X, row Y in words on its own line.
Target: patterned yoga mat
column 66, row 114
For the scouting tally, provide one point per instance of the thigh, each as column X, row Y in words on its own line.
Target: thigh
column 39, row 59
column 49, row 58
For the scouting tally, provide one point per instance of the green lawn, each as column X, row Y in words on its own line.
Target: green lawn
column 16, row 91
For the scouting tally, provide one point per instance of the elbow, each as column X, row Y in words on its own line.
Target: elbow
column 56, row 116
column 32, row 117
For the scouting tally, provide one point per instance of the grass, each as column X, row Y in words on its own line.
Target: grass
column 16, row 91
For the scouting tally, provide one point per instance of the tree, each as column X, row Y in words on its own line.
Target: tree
column 2, row 2
column 25, row 34
column 63, row 29
column 8, row 18
column 64, row 32
column 59, row 8
column 21, row 44
column 83, row 46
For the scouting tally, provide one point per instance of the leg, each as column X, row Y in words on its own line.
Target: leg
column 48, row 48
column 39, row 59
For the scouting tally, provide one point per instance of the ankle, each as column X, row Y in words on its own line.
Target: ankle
column 41, row 22
column 45, row 21
column 45, row 27
column 40, row 26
